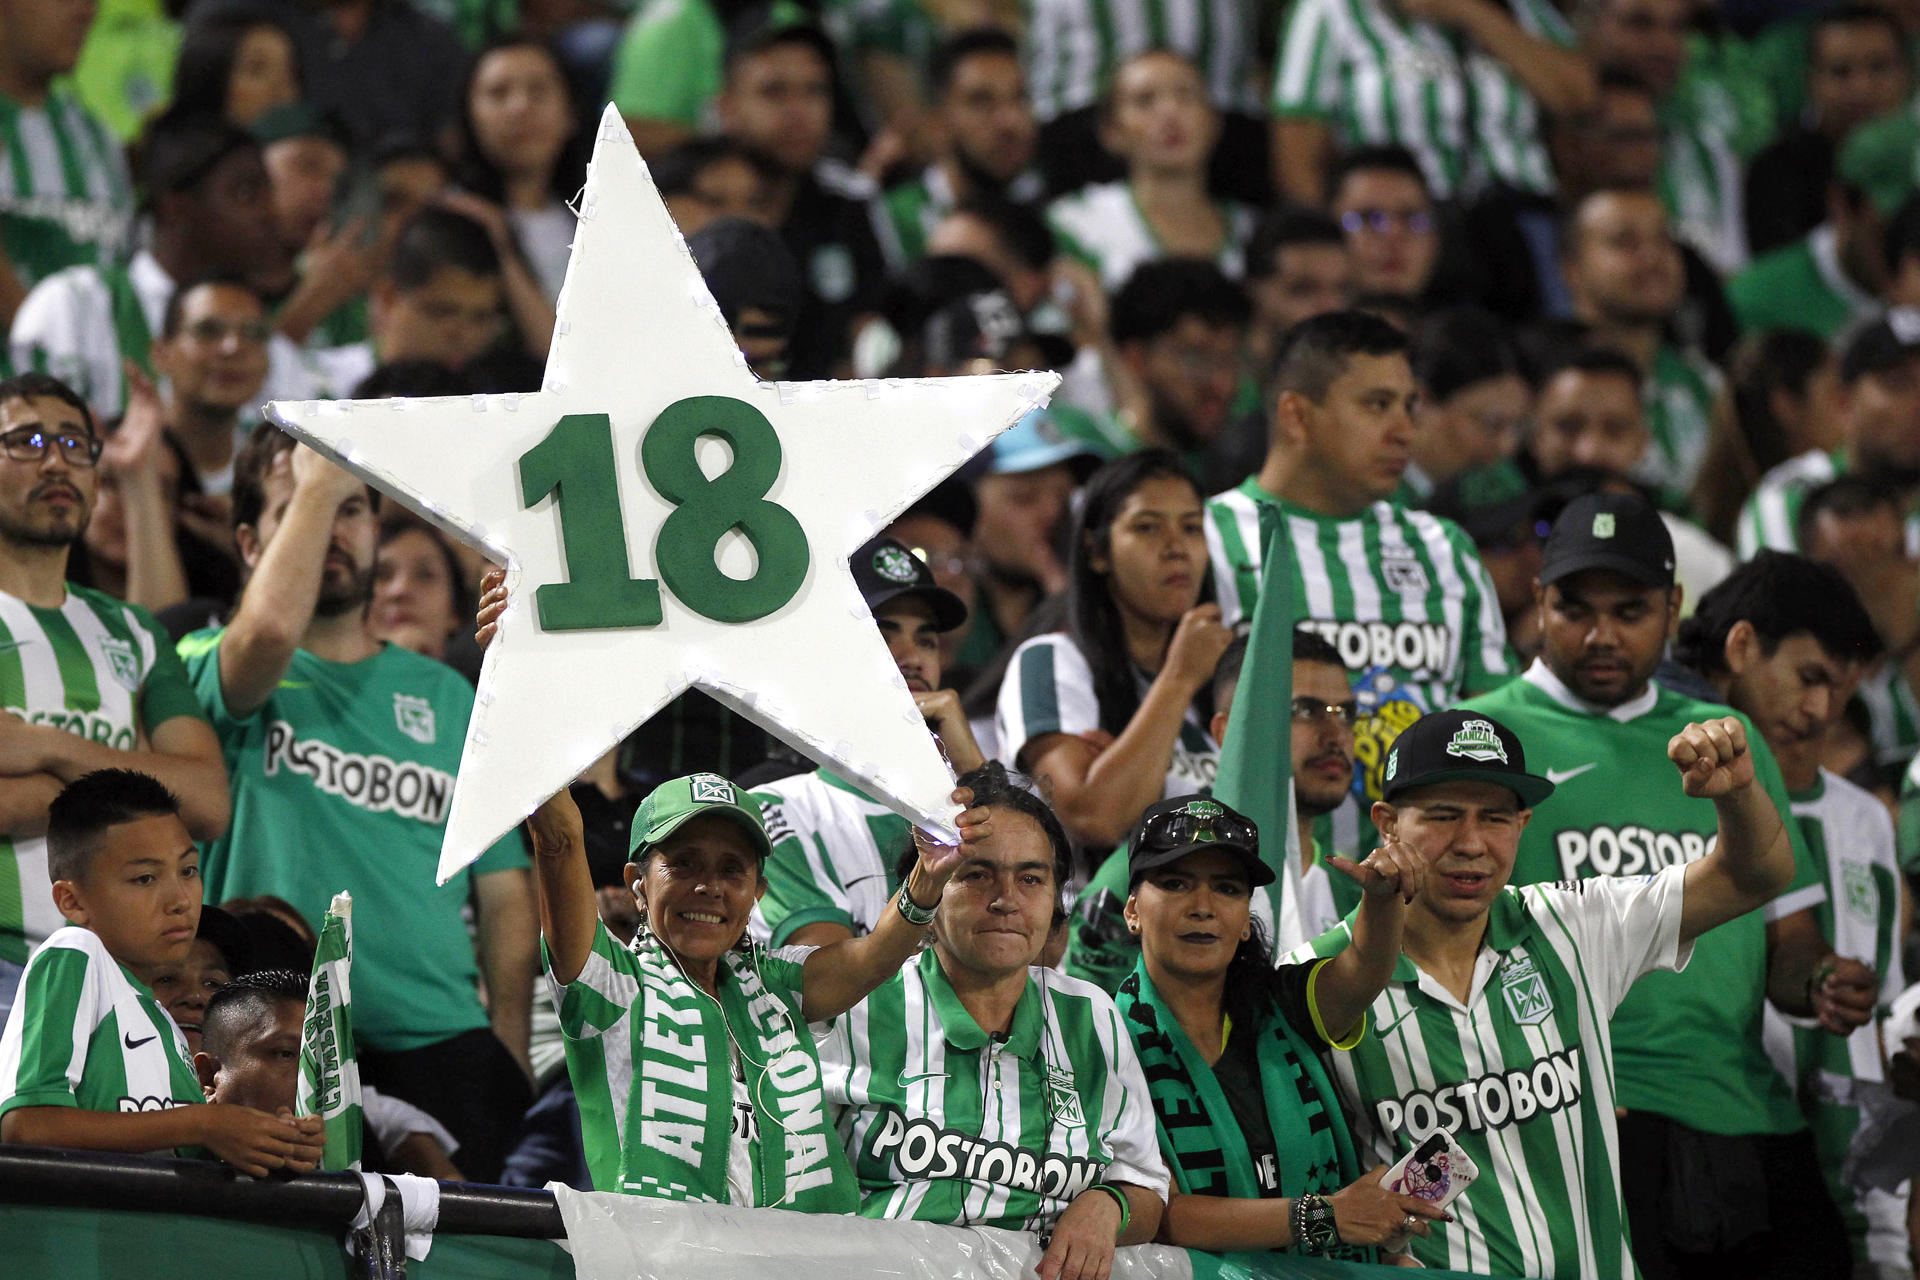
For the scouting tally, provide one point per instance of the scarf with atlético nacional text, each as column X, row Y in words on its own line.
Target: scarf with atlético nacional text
column 678, row 1144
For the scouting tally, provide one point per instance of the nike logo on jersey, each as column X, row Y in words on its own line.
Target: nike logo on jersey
column 135, row 1044
column 1558, row 776
column 1387, row 1027
column 909, row 1077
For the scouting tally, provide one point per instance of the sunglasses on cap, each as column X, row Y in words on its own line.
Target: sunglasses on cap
column 1178, row 829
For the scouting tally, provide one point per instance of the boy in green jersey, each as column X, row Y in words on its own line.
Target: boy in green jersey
column 89, row 1058
column 1700, row 1099
column 1495, row 1024
column 1783, row 639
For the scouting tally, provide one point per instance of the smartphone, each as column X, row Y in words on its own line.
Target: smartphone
column 1436, row 1170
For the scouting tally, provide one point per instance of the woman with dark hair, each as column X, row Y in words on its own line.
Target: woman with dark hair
column 1249, row 1123
column 238, row 67
column 1109, row 710
column 522, row 148
column 419, row 593
column 1475, row 397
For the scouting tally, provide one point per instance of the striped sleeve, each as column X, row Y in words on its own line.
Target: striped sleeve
column 1486, row 663
column 783, row 970
column 1768, row 520
column 1233, row 548
column 65, row 328
column 1048, row 689
column 1132, row 1136
column 165, row 693
column 603, row 996
column 1305, row 84
column 43, row 1053
column 801, row 886
column 1621, row 928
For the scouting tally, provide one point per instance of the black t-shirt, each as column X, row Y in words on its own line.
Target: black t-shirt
column 1238, row 1072
column 830, row 232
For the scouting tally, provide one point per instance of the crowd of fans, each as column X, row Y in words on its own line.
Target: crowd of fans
column 1563, row 359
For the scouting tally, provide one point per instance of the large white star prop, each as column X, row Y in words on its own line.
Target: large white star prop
column 647, row 585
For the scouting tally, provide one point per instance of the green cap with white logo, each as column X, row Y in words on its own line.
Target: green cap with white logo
column 1460, row 746
column 669, row 806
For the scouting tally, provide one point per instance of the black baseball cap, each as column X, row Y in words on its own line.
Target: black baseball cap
column 748, row 267
column 1884, row 344
column 1169, row 830
column 1621, row 532
column 229, row 936
column 884, row 569
column 1460, row 746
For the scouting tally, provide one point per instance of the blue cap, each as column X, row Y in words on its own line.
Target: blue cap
column 1036, row 441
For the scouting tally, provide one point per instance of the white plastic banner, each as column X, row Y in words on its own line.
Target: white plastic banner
column 622, row 1237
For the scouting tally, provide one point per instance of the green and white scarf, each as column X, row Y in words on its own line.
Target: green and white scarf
column 1199, row 1136
column 679, row 1149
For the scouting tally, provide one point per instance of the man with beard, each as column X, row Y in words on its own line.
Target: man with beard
column 986, row 135
column 1627, row 279
column 86, row 682
column 343, row 751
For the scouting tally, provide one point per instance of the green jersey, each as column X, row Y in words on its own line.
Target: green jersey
column 1521, row 1073
column 342, row 780
column 670, row 62
column 945, row 1123
column 1680, row 392
column 1713, row 122
column 125, row 72
column 96, row 667
column 1373, row 75
column 1073, row 48
column 1801, row 286
column 65, row 199
column 1101, row 226
column 86, row 1033
column 1049, row 689
column 1850, row 839
column 1686, row 1046
column 834, row 850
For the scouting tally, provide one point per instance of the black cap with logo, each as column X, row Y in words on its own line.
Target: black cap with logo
column 1169, row 830
column 885, row 570
column 1460, row 746
column 1621, row 532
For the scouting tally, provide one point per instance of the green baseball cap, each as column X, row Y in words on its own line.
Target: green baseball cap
column 1877, row 159
column 669, row 806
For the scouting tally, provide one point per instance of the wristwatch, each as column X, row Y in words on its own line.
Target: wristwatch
column 1313, row 1227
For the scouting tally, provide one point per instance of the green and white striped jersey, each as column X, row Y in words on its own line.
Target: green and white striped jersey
column 1771, row 516
column 1049, row 689
column 906, row 215
column 1521, row 1073
column 1073, row 48
column 1679, row 394
column 86, row 1033
column 81, row 323
column 1373, row 76
column 1102, row 226
column 945, row 1123
column 609, row 1056
column 65, row 199
column 1850, row 839
column 1686, row 1046
column 1893, row 713
column 834, row 850
column 96, row 667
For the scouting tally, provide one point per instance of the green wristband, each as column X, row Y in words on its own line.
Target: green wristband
column 1119, row 1198
column 916, row 915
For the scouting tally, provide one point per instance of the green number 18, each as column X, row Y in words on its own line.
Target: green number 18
column 575, row 464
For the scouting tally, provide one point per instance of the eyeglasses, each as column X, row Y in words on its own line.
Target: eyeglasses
column 213, row 332
column 940, row 561
column 1308, row 710
column 1380, row 221
column 1183, row 827
column 30, row 444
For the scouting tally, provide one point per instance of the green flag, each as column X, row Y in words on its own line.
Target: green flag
column 329, row 1084
column 1256, row 759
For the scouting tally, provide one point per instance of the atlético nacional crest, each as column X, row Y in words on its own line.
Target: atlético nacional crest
column 1063, row 1100
column 894, row 565
column 124, row 661
column 1863, row 895
column 1402, row 570
column 1525, row 991
column 414, row 716
column 1477, row 740
column 711, row 788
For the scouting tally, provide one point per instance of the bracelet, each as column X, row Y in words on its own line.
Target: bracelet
column 1119, row 1198
column 1314, row 1230
column 914, row 914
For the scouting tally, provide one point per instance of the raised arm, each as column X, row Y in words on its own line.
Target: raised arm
column 277, row 605
column 839, row 975
column 1561, row 80
column 1752, row 860
column 1348, row 984
column 563, row 886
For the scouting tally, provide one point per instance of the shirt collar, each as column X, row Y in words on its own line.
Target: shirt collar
column 962, row 1032
column 1548, row 683
column 1823, row 246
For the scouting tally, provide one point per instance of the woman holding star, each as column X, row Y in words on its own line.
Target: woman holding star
column 696, row 1076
